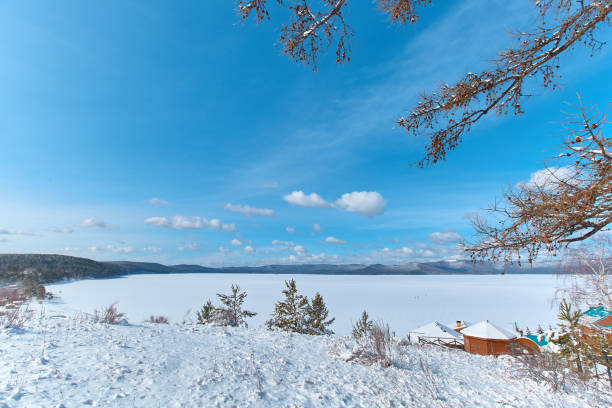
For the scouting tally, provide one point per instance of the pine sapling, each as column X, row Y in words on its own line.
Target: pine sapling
column 570, row 341
column 291, row 314
column 233, row 304
column 362, row 327
column 205, row 314
column 317, row 316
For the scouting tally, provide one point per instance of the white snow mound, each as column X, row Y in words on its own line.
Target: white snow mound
column 60, row 359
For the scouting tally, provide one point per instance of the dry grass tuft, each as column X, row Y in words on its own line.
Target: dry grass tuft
column 109, row 315
column 158, row 319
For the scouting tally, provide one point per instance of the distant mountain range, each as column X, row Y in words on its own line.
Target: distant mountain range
column 52, row 268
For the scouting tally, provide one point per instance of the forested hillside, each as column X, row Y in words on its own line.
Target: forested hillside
column 44, row 268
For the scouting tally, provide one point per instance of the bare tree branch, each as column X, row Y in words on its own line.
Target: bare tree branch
column 451, row 111
column 572, row 204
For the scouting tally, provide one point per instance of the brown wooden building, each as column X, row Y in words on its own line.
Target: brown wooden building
column 485, row 338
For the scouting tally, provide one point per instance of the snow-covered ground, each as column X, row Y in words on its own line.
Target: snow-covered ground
column 62, row 359
column 405, row 302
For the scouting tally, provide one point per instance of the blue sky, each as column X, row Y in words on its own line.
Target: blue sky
column 107, row 106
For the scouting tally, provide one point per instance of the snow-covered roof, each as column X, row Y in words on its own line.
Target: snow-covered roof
column 487, row 330
column 598, row 312
column 435, row 329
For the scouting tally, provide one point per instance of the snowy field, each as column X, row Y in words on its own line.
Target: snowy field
column 63, row 360
column 405, row 302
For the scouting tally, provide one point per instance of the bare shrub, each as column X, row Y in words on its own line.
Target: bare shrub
column 14, row 310
column 158, row 319
column 380, row 334
column 547, row 368
column 374, row 347
column 33, row 289
column 10, row 295
column 109, row 315
column 15, row 316
column 429, row 382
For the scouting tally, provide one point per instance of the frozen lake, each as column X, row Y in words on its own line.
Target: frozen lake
column 405, row 302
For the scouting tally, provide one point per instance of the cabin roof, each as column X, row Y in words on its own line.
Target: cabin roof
column 438, row 330
column 605, row 322
column 487, row 330
column 598, row 312
column 539, row 339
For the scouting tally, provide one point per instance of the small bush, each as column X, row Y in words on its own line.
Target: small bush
column 549, row 368
column 11, row 295
column 14, row 310
column 32, row 289
column 158, row 319
column 15, row 317
column 380, row 335
column 109, row 315
column 373, row 347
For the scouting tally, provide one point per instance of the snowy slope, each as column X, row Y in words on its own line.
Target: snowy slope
column 64, row 360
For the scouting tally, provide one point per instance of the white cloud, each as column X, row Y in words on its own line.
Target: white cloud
column 194, row 246
column 290, row 230
column 157, row 202
column 96, row 223
column 64, row 230
column 181, row 222
column 4, row 231
column 368, row 203
column 152, row 249
column 215, row 223
column 299, row 250
column 334, row 240
column 223, row 250
column 70, row 249
column 547, row 178
column 94, row 249
column 249, row 249
column 303, row 200
column 284, row 243
column 236, row 242
column 292, row 258
column 317, row 228
column 444, row 237
column 248, row 210
column 120, row 250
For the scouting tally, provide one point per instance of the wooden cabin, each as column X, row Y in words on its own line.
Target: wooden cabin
column 485, row 338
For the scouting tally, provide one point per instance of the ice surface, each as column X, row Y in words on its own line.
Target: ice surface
column 405, row 302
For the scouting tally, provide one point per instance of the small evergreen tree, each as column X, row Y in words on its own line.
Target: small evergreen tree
column 317, row 316
column 233, row 304
column 570, row 341
column 230, row 315
column 205, row 314
column 291, row 314
column 362, row 327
